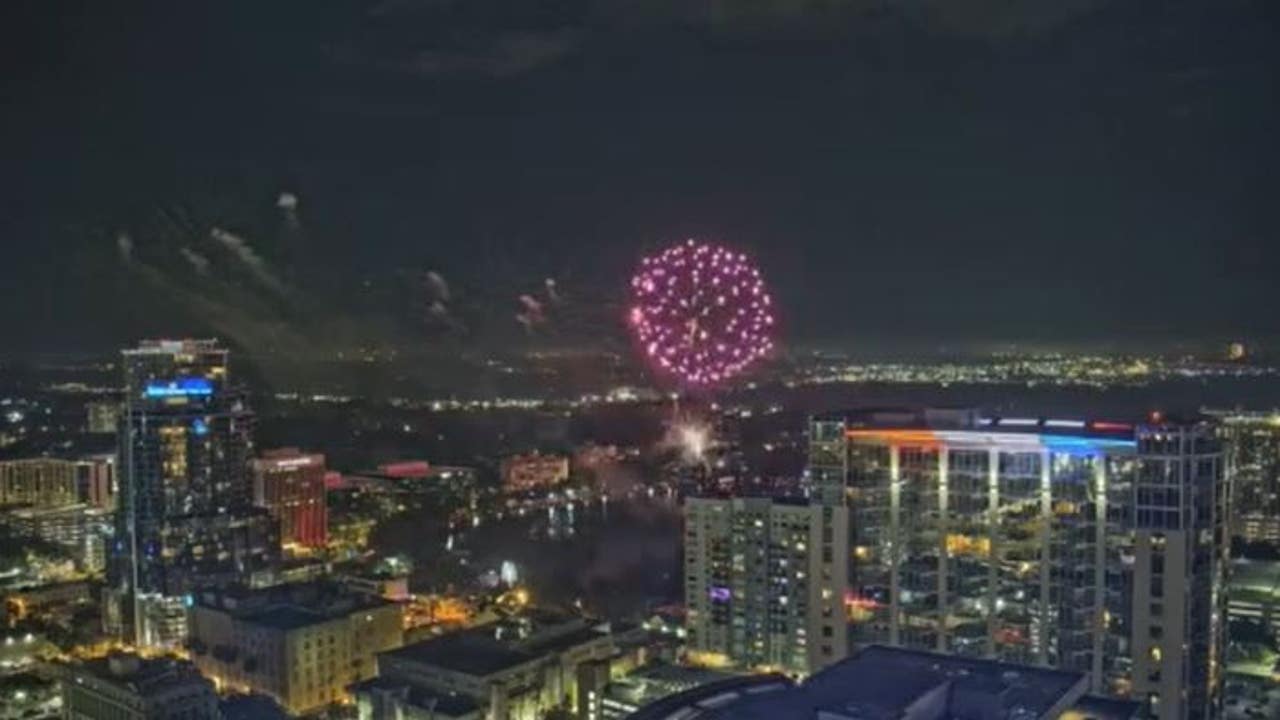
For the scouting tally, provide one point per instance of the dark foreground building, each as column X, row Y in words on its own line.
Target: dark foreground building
column 878, row 683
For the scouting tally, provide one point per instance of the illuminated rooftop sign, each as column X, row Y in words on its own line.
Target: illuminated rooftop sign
column 180, row 387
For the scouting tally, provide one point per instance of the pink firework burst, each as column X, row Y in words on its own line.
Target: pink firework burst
column 701, row 312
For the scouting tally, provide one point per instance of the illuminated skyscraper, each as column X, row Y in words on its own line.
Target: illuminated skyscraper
column 186, row 517
column 765, row 581
column 290, row 485
column 1251, row 444
column 1094, row 546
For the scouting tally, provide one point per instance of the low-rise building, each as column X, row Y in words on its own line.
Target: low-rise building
column 127, row 687
column 523, row 473
column 81, row 530
column 301, row 645
column 887, row 682
column 1253, row 599
column 38, row 482
column 515, row 669
column 620, row 698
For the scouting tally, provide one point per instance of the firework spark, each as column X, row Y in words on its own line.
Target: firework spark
column 701, row 312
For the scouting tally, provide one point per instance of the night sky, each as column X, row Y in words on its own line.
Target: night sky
column 905, row 171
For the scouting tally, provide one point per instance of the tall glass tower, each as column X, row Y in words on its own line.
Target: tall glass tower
column 186, row 518
column 1091, row 546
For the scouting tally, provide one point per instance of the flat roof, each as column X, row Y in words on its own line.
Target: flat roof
column 144, row 676
column 286, row 617
column 441, row 703
column 471, row 652
column 1093, row 707
column 878, row 683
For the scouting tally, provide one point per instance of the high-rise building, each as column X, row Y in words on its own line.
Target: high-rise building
column 96, row 480
column 1251, row 445
column 127, row 687
column 41, row 482
column 1090, row 546
column 186, row 518
column 290, row 485
column 764, row 582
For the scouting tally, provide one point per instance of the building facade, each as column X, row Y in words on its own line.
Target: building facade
column 525, row 473
column 1089, row 546
column 764, row 582
column 102, row 417
column 1251, row 446
column 38, row 482
column 301, row 645
column 516, row 669
column 96, row 481
column 290, row 485
column 82, row 530
column 186, row 517
column 127, row 687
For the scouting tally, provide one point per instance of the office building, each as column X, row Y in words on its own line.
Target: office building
column 103, row 417
column 83, row 531
column 765, row 581
column 290, row 485
column 186, row 517
column 96, row 480
column 301, row 645
column 1254, row 600
column 526, row 473
column 515, row 669
column 127, row 687
column 878, row 683
column 1091, row 546
column 38, row 482
column 1251, row 446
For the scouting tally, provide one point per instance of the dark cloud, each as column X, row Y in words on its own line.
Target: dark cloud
column 503, row 55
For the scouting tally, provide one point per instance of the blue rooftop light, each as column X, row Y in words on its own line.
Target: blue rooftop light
column 1076, row 445
column 180, row 387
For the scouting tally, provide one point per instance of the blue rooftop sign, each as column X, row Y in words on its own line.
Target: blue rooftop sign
column 180, row 387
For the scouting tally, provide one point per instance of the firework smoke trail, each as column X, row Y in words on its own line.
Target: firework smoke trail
column 241, row 249
column 532, row 314
column 437, row 286
column 199, row 263
column 124, row 247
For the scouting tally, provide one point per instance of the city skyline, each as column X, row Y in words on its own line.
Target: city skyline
column 631, row 359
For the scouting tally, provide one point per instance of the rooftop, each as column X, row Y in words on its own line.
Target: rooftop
column 285, row 617
column 144, row 676
column 494, row 647
column 441, row 703
column 291, row 605
column 884, row 683
column 971, row 419
column 471, row 652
